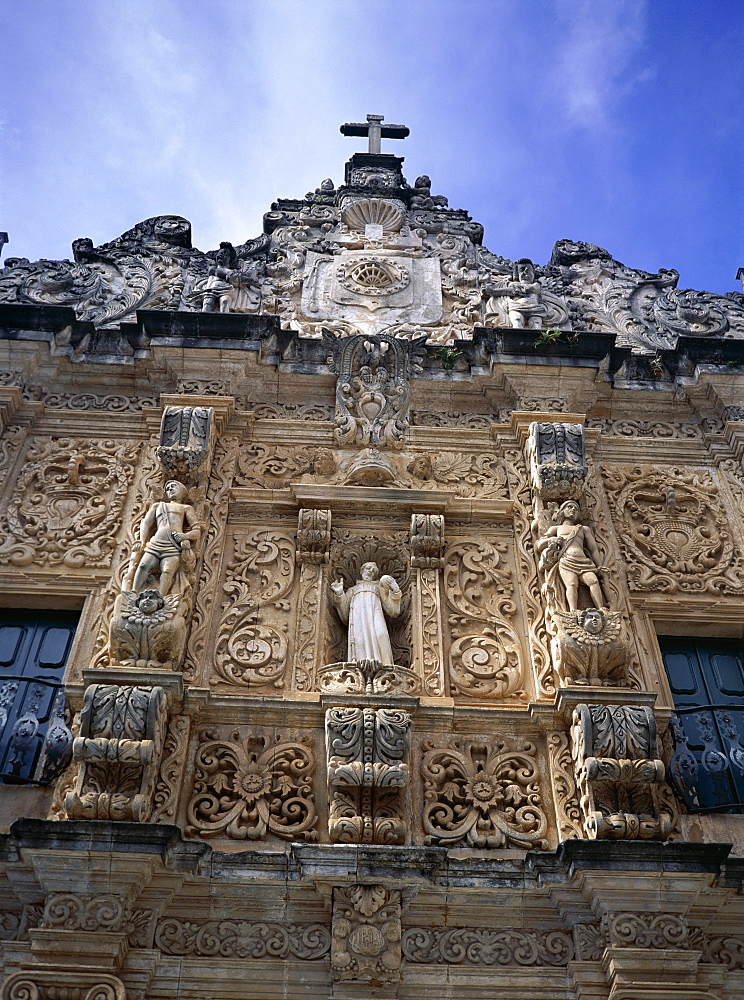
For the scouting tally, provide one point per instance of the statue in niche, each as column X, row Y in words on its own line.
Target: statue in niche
column 147, row 629
column 524, row 306
column 363, row 607
column 166, row 532
column 569, row 557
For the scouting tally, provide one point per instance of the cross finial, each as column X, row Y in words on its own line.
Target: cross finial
column 375, row 131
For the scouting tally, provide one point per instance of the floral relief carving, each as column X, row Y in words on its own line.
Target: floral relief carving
column 469, row 475
column 242, row 939
column 485, row 652
column 273, row 467
column 647, row 930
column 248, row 788
column 67, row 503
column 484, row 946
column 71, row 911
column 252, row 640
column 565, row 793
column 485, row 794
column 170, row 776
column 673, row 530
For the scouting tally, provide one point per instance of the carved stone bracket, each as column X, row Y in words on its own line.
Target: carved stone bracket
column 619, row 772
column 556, row 453
column 367, row 774
column 186, row 440
column 368, row 677
column 365, row 933
column 122, row 731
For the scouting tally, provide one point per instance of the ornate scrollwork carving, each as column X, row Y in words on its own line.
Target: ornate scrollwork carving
column 252, row 640
column 557, row 456
column 486, row 794
column 242, row 939
column 249, row 788
column 485, row 652
column 484, row 946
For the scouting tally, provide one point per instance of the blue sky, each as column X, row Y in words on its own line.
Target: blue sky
column 619, row 122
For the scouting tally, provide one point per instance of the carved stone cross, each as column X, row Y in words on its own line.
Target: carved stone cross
column 375, row 131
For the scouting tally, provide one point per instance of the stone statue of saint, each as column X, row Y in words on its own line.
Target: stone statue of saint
column 166, row 532
column 363, row 606
column 523, row 297
column 568, row 551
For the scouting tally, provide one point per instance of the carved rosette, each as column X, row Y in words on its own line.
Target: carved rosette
column 252, row 639
column 365, row 933
column 485, row 651
column 483, row 794
column 619, row 773
column 367, row 774
column 121, row 738
column 248, row 788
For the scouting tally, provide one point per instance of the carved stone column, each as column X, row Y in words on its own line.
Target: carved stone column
column 427, row 559
column 313, row 546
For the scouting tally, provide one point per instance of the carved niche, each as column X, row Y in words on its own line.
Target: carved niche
column 249, row 787
column 350, row 550
column 121, row 738
column 673, row 530
column 373, row 388
column 485, row 651
column 186, row 439
column 367, row 774
column 619, row 773
column 365, row 933
column 252, row 640
column 485, row 794
column 557, row 457
column 67, row 503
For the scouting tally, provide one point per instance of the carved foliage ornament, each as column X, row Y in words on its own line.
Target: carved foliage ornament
column 242, row 939
column 185, row 437
column 673, row 530
column 486, row 794
column 483, row 946
column 252, row 639
column 248, row 788
column 557, row 458
column 67, row 502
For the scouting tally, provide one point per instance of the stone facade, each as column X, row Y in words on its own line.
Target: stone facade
column 204, row 453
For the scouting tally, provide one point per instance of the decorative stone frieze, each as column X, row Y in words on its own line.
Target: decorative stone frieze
column 486, row 947
column 243, row 939
column 368, row 776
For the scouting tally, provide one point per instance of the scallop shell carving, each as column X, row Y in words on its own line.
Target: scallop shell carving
column 373, row 211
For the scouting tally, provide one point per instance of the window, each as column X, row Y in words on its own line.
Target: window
column 34, row 739
column 707, row 681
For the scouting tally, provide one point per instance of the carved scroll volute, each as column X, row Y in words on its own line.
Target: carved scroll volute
column 427, row 559
column 556, row 453
column 313, row 548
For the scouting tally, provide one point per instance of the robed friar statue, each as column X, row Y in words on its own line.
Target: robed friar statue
column 364, row 606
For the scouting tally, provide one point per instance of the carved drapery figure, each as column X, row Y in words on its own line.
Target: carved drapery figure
column 520, row 299
column 166, row 533
column 569, row 557
column 363, row 607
